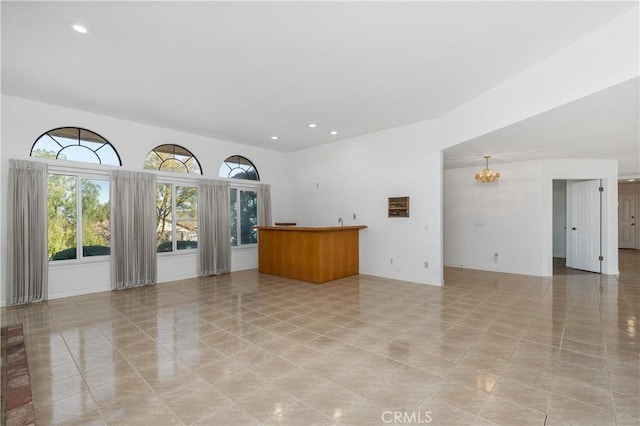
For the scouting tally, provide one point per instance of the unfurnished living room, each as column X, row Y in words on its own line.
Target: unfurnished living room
column 320, row 213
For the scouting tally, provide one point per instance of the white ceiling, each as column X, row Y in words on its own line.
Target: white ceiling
column 244, row 71
column 604, row 125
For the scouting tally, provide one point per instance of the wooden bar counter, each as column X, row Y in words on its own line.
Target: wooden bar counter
column 314, row 254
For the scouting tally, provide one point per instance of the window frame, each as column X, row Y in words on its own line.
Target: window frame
column 101, row 172
column 250, row 166
column 242, row 185
column 174, row 146
column 80, row 130
column 79, row 173
column 175, row 180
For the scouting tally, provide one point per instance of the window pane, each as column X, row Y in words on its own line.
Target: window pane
column 75, row 144
column 193, row 166
column 234, row 217
column 187, row 217
column 95, row 217
column 173, row 165
column 108, row 156
column 163, row 214
column 248, row 217
column 93, row 146
column 45, row 147
column 238, row 167
column 63, row 140
column 79, row 153
column 61, row 211
column 224, row 170
column 172, row 158
column 238, row 173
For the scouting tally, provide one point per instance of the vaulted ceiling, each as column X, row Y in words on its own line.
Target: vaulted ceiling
column 249, row 71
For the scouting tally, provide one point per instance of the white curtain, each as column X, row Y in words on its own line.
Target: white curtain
column 28, row 263
column 214, row 228
column 264, row 204
column 133, row 229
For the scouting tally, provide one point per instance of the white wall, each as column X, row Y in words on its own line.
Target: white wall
column 24, row 120
column 357, row 175
column 514, row 216
column 560, row 218
column 501, row 217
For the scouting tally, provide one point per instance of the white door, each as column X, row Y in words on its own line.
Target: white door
column 583, row 225
column 627, row 214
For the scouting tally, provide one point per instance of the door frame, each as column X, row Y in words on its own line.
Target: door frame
column 636, row 196
column 594, row 264
column 609, row 217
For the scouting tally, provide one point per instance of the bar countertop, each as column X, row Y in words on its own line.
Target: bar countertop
column 311, row 228
column 314, row 254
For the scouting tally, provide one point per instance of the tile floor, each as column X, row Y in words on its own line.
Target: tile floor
column 253, row 349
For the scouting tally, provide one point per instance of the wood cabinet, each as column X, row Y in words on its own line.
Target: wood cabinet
column 314, row 254
column 398, row 206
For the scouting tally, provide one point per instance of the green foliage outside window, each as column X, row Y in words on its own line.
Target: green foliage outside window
column 186, row 217
column 62, row 212
column 244, row 216
column 164, row 211
column 95, row 214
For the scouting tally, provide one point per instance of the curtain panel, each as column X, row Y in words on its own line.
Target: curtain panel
column 133, row 229
column 28, row 262
column 264, row 204
column 214, row 233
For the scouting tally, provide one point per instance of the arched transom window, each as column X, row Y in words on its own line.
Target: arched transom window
column 238, row 167
column 75, row 144
column 172, row 158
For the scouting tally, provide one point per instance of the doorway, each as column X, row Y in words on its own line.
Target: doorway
column 627, row 221
column 577, row 226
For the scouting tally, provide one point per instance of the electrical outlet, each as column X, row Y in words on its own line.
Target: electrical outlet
column 354, row 216
column 496, row 257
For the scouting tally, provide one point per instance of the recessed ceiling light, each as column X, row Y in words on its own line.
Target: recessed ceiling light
column 334, row 132
column 275, row 138
column 631, row 180
column 313, row 125
column 80, row 29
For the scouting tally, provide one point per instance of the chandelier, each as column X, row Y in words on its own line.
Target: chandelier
column 487, row 175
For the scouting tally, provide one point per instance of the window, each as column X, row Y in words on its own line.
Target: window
column 238, row 167
column 77, row 203
column 172, row 158
column 244, row 202
column 78, row 216
column 75, row 144
column 244, row 216
column 177, row 216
